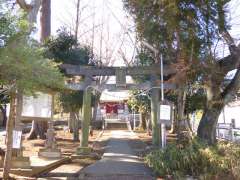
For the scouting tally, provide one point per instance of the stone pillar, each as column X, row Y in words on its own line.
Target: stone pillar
column 86, row 112
column 50, row 150
column 154, row 112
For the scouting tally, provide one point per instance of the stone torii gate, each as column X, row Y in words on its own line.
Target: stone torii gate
column 120, row 72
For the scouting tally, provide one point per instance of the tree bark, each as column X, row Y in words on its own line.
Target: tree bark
column 78, row 14
column 181, row 100
column 45, row 20
column 4, row 113
column 75, row 127
column 207, row 127
column 39, row 128
column 70, row 121
column 9, row 137
column 143, row 123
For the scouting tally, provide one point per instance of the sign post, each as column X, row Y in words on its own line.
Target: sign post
column 164, row 119
column 134, row 120
column 165, row 111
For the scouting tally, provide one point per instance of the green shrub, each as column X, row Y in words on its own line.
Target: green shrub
column 197, row 159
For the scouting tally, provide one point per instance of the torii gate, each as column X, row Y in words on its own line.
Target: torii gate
column 120, row 72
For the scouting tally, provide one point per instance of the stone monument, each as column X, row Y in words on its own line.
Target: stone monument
column 50, row 150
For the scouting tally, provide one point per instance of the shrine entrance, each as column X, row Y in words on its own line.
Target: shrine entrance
column 89, row 72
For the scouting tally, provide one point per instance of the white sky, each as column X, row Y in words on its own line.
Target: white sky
column 107, row 15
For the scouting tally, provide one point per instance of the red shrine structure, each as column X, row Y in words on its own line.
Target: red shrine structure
column 113, row 104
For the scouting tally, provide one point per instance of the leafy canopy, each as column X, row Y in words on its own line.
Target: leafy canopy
column 22, row 66
column 64, row 48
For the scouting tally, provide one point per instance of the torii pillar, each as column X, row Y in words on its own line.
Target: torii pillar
column 87, row 114
column 154, row 111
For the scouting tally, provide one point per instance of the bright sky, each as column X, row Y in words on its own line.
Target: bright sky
column 109, row 21
column 115, row 27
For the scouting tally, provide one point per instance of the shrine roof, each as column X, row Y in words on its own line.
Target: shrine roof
column 116, row 96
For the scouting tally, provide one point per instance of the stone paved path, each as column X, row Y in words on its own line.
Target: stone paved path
column 118, row 162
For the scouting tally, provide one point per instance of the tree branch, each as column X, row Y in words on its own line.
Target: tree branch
column 229, row 40
column 24, row 5
column 230, row 62
column 231, row 90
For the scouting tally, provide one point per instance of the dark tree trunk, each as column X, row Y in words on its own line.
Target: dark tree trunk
column 214, row 105
column 143, row 124
column 181, row 100
column 207, row 127
column 39, row 128
column 75, row 127
column 4, row 113
column 71, row 121
column 45, row 20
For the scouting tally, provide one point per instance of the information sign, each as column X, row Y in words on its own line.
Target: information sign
column 165, row 114
column 37, row 106
column 17, row 136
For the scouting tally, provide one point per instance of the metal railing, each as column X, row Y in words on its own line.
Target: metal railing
column 228, row 132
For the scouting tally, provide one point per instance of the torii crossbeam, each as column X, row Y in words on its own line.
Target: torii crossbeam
column 120, row 72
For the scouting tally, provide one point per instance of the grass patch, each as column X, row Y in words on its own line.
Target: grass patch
column 197, row 159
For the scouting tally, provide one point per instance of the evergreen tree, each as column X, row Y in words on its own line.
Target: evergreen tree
column 185, row 32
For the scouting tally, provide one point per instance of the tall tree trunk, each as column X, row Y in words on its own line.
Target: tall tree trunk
column 143, row 123
column 4, row 113
column 45, row 20
column 9, row 138
column 215, row 103
column 181, row 100
column 76, row 127
column 40, row 127
column 78, row 14
column 207, row 127
column 70, row 121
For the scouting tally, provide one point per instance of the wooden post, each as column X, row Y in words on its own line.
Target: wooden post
column 18, row 160
column 17, row 124
column 86, row 111
column 9, row 140
column 154, row 112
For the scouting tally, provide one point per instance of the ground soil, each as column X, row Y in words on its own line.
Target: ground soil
column 66, row 144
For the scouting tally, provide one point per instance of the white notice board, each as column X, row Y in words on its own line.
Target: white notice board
column 165, row 112
column 17, row 135
column 38, row 106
